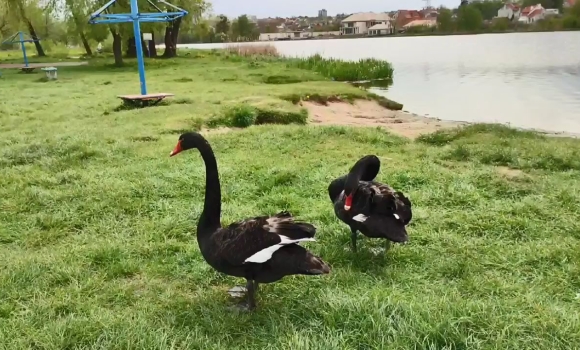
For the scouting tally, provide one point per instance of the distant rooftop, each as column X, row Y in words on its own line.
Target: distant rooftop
column 380, row 26
column 367, row 17
column 421, row 22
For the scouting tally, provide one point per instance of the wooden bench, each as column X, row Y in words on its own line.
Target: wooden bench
column 27, row 69
column 144, row 100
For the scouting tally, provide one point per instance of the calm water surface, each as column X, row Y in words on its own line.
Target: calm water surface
column 529, row 80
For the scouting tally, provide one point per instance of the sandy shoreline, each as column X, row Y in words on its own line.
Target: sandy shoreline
column 403, row 123
column 370, row 113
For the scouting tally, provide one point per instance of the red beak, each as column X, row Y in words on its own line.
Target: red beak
column 348, row 202
column 177, row 149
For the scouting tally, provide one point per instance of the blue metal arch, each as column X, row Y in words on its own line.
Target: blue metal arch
column 101, row 17
column 21, row 40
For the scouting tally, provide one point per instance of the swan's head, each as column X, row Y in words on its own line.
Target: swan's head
column 186, row 141
column 365, row 169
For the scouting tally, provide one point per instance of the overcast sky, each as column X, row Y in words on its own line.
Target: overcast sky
column 283, row 8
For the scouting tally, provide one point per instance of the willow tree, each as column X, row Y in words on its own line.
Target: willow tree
column 123, row 32
column 4, row 23
column 116, row 30
column 170, row 30
column 149, row 49
column 21, row 10
column 77, row 14
column 195, row 8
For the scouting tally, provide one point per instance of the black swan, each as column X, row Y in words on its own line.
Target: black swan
column 368, row 206
column 262, row 249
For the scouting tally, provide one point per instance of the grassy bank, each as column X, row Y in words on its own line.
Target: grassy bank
column 335, row 69
column 97, row 222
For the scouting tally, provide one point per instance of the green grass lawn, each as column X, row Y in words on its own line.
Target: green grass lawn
column 97, row 222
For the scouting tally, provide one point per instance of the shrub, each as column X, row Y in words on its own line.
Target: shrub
column 340, row 70
column 443, row 137
column 271, row 116
column 281, row 79
column 253, row 50
column 244, row 115
column 241, row 116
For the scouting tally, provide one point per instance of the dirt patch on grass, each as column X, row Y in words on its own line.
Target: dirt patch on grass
column 218, row 130
column 509, row 172
column 370, row 113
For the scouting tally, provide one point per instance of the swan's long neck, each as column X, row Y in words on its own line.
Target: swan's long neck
column 212, row 207
column 365, row 169
column 353, row 177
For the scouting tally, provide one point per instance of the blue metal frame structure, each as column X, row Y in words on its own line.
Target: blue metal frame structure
column 21, row 40
column 101, row 17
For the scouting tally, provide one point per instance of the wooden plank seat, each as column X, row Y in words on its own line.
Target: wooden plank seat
column 27, row 69
column 144, row 100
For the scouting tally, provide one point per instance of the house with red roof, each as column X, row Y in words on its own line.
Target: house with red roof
column 532, row 14
column 509, row 11
column 403, row 17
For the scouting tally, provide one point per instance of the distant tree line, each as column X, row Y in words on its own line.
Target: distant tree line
column 482, row 17
column 64, row 23
column 224, row 30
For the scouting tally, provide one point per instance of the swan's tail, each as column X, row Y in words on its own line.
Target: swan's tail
column 294, row 259
column 284, row 224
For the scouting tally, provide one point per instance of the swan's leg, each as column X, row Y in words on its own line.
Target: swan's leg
column 249, row 292
column 251, row 286
column 353, row 237
column 388, row 246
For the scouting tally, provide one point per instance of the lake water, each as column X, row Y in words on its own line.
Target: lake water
column 529, row 80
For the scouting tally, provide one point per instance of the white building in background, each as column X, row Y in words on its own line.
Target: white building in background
column 380, row 29
column 295, row 35
column 510, row 11
column 322, row 14
column 360, row 23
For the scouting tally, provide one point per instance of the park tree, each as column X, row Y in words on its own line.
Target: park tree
column 5, row 23
column 77, row 13
column 500, row 24
column 488, row 8
column 223, row 25
column 202, row 31
column 445, row 20
column 469, row 18
column 575, row 10
column 572, row 18
column 549, row 4
column 196, row 8
column 116, row 30
column 243, row 29
column 20, row 11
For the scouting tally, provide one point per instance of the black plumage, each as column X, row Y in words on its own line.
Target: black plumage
column 368, row 206
column 262, row 249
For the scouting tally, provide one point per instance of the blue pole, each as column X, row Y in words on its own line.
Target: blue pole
column 138, row 46
column 21, row 36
